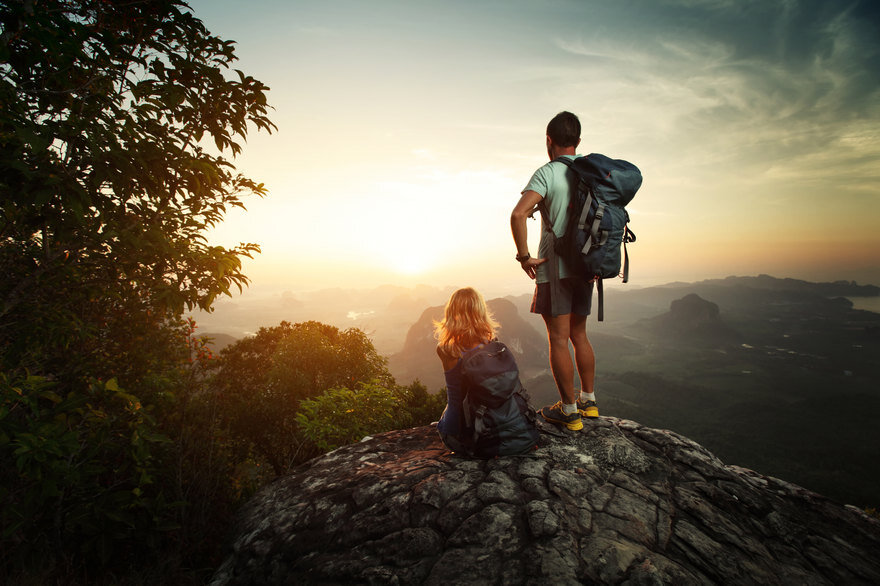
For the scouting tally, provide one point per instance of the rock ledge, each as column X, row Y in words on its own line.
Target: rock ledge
column 614, row 503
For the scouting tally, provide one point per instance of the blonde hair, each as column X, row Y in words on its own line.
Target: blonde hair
column 466, row 323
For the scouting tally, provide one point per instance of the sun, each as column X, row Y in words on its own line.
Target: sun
column 418, row 225
column 410, row 262
column 405, row 248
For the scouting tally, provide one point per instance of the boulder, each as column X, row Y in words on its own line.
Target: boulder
column 614, row 503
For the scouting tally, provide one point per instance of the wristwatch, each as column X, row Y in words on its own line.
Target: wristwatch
column 523, row 258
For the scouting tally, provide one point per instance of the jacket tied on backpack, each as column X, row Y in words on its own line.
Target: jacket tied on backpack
column 496, row 418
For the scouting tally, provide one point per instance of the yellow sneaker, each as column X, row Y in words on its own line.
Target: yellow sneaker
column 554, row 414
column 588, row 409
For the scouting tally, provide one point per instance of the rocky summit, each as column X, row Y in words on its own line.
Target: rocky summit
column 614, row 503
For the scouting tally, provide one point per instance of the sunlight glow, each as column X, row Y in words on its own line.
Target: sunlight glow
column 428, row 218
column 403, row 236
column 411, row 262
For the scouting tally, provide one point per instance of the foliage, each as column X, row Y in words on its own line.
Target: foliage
column 199, row 468
column 421, row 406
column 263, row 379
column 341, row 416
column 124, row 443
column 108, row 185
column 83, row 468
column 115, row 121
column 320, row 356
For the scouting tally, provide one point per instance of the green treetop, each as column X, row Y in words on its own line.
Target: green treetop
column 114, row 121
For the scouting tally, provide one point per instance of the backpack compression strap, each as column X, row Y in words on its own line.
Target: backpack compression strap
column 628, row 236
column 597, row 238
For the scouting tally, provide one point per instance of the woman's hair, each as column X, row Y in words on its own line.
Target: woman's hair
column 466, row 322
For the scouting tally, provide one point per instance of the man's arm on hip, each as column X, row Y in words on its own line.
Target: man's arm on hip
column 523, row 210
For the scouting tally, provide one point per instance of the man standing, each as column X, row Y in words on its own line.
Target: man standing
column 562, row 296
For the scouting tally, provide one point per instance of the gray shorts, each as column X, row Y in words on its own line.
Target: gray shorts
column 576, row 296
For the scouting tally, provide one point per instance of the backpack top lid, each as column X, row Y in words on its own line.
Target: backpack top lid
column 614, row 180
column 490, row 372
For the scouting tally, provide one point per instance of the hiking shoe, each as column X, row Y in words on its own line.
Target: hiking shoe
column 554, row 414
column 588, row 409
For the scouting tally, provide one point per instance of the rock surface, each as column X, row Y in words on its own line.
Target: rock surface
column 615, row 503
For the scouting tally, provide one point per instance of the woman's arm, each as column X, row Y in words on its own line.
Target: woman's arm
column 447, row 361
column 450, row 422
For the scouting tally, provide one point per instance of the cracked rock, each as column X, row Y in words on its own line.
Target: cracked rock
column 614, row 503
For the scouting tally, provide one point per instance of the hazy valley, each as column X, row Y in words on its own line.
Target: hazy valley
column 777, row 375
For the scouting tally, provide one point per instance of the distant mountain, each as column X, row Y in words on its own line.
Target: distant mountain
column 832, row 289
column 418, row 359
column 783, row 379
column 692, row 319
column 739, row 299
column 216, row 342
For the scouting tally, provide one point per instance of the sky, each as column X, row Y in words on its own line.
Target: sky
column 407, row 130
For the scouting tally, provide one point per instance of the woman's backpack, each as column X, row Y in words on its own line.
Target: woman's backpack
column 498, row 420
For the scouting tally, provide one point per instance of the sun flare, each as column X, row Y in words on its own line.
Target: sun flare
column 405, row 248
column 410, row 264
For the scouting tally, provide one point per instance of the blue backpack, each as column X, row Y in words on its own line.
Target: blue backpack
column 598, row 220
column 498, row 420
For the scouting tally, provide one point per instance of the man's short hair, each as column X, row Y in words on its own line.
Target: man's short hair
column 564, row 130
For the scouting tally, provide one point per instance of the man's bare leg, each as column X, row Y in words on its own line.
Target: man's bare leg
column 558, row 334
column 584, row 357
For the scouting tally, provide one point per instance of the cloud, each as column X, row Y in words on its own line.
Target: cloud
column 748, row 118
column 755, row 84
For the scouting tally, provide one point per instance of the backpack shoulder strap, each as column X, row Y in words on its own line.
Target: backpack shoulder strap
column 568, row 162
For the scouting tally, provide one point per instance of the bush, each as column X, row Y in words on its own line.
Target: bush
column 262, row 380
column 79, row 472
column 342, row 416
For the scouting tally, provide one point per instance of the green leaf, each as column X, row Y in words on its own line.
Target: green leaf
column 51, row 396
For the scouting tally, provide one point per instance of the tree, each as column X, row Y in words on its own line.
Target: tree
column 78, row 471
column 263, row 379
column 114, row 120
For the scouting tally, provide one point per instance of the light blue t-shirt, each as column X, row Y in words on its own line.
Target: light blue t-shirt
column 551, row 183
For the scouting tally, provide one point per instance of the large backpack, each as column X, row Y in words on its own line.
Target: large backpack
column 498, row 420
column 598, row 220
